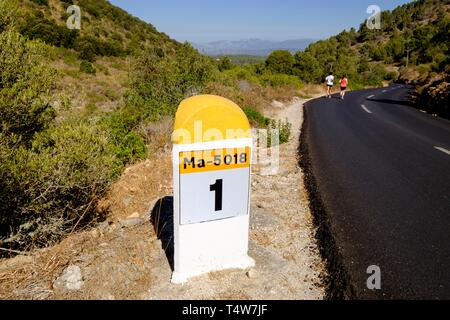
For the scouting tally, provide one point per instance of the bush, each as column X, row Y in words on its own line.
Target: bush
column 225, row 63
column 129, row 146
column 41, row 2
column 8, row 14
column 242, row 73
column 24, row 86
column 160, row 80
column 391, row 76
column 86, row 49
column 37, row 27
column 283, row 127
column 53, row 186
column 279, row 80
column 87, row 67
column 256, row 118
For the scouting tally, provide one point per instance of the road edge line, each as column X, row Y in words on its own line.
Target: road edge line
column 365, row 109
column 443, row 150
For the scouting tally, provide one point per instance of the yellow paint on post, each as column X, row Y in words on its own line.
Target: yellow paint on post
column 208, row 118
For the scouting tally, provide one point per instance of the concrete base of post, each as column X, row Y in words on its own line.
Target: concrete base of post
column 182, row 278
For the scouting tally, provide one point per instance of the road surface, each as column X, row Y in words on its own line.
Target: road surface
column 383, row 172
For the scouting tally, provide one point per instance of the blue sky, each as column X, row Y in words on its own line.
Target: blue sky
column 210, row 20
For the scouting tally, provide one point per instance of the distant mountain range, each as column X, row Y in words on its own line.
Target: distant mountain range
column 254, row 47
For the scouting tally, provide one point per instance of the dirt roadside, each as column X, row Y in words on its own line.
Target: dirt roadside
column 123, row 259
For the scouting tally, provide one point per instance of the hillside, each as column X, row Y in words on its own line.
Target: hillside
column 78, row 107
column 105, row 29
column 412, row 45
column 93, row 60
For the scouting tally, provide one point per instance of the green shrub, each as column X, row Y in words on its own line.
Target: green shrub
column 121, row 124
column 87, row 67
column 25, row 83
column 41, row 2
column 131, row 148
column 279, row 80
column 53, row 186
column 391, row 76
column 8, row 14
column 225, row 63
column 86, row 49
column 36, row 27
column 256, row 118
column 160, row 80
column 284, row 129
column 246, row 73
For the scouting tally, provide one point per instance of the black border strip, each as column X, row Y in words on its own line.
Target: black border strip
column 337, row 281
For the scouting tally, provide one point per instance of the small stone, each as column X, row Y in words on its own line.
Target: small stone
column 127, row 170
column 132, row 189
column 251, row 274
column 70, row 279
column 127, row 201
column 135, row 215
column 132, row 222
column 105, row 296
column 95, row 233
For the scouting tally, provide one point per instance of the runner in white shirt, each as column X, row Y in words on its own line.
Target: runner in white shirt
column 330, row 83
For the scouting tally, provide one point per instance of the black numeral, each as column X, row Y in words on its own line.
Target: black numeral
column 218, row 189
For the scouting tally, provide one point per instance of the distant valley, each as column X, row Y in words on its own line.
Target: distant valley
column 253, row 47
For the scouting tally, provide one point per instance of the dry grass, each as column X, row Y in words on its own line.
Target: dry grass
column 114, row 262
column 256, row 97
column 139, row 187
column 311, row 90
column 31, row 277
column 158, row 134
column 282, row 94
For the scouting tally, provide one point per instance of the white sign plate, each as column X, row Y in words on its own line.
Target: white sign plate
column 214, row 185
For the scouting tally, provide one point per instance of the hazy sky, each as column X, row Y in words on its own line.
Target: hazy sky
column 209, row 20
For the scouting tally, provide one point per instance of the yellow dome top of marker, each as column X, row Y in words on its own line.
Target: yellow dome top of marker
column 208, row 118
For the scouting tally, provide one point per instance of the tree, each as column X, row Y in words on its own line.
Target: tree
column 395, row 48
column 161, row 79
column 280, row 61
column 225, row 63
column 307, row 67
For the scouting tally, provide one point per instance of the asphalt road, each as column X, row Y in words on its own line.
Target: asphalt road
column 383, row 173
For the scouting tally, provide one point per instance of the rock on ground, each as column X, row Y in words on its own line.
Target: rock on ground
column 70, row 279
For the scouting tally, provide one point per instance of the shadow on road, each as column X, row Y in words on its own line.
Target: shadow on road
column 162, row 220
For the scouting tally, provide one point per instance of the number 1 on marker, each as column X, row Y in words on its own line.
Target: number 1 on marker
column 218, row 189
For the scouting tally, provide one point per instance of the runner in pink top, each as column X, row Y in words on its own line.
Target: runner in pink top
column 344, row 83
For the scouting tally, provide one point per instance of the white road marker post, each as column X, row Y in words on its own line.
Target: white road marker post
column 212, row 157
